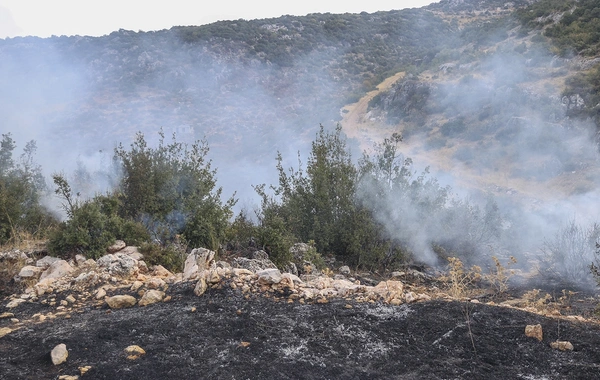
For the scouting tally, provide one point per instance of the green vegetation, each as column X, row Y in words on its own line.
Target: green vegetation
column 21, row 185
column 166, row 194
column 573, row 25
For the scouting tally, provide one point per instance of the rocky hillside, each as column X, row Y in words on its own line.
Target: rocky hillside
column 252, row 87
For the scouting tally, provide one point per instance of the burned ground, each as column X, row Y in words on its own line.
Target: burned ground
column 228, row 336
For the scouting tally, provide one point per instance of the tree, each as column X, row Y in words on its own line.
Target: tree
column 172, row 190
column 21, row 182
column 319, row 204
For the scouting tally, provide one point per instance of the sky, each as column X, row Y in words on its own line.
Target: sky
column 44, row 18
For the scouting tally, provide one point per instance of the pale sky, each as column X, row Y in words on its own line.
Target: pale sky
column 44, row 18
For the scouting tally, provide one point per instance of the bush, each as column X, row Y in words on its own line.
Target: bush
column 171, row 256
column 171, row 189
column 21, row 184
column 92, row 226
column 89, row 232
column 568, row 255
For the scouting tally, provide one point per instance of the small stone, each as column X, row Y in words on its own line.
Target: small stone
column 345, row 270
column 14, row 303
column 534, row 331
column 100, row 293
column 134, row 352
column 348, row 306
column 396, row 302
column 68, row 377
column 14, row 320
column 84, row 369
column 193, row 309
column 6, row 315
column 70, row 299
column 120, row 301
column 562, row 345
column 136, row 286
column 59, row 354
column 5, row 331
column 64, row 303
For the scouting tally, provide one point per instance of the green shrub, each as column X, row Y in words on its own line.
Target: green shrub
column 88, row 232
column 171, row 256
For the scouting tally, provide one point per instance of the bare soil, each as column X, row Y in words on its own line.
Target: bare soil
column 229, row 336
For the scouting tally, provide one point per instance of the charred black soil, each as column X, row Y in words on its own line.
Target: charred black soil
column 230, row 337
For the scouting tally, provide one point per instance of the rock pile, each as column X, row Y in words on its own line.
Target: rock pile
column 122, row 279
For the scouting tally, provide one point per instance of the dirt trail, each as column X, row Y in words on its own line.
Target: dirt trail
column 354, row 123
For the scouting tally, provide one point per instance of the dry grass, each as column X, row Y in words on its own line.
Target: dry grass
column 460, row 280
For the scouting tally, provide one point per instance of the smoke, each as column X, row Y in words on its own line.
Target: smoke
column 524, row 176
column 493, row 110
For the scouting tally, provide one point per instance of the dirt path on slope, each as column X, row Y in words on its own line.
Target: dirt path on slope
column 357, row 126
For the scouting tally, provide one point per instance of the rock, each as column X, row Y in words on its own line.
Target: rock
column 59, row 354
column 410, row 297
column 198, row 260
column 223, row 265
column 260, row 255
column 70, row 299
column 253, row 265
column 534, row 331
column 151, row 296
column 156, row 283
column 269, row 276
column 345, row 270
column 562, row 345
column 6, row 315
column 44, row 286
column 201, row 287
column 46, row 261
column 291, row 268
column 242, row 272
column 134, row 352
column 5, row 331
column 29, row 272
column 388, row 290
column 84, row 369
column 89, row 278
column 14, row 303
column 136, row 286
column 100, row 293
column 118, row 264
column 397, row 274
column 68, row 377
column 57, row 269
column 132, row 252
column 119, row 245
column 160, row 271
column 120, row 301
column 80, row 260
column 299, row 251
